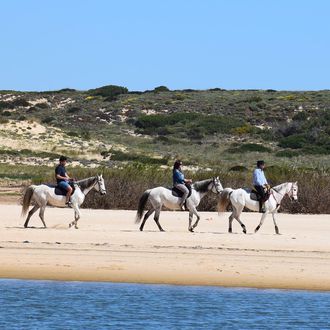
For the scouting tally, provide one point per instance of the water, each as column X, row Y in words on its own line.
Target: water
column 77, row 305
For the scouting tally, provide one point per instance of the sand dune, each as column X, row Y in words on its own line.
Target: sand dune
column 109, row 247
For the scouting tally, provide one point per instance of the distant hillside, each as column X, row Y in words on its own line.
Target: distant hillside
column 205, row 127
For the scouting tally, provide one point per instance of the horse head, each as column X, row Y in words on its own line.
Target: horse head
column 100, row 186
column 216, row 185
column 293, row 192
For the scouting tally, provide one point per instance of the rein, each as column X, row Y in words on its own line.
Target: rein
column 277, row 203
column 91, row 186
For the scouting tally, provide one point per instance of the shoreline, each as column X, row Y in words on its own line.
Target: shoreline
column 108, row 247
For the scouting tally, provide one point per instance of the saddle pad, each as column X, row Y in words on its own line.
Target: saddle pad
column 58, row 190
column 178, row 193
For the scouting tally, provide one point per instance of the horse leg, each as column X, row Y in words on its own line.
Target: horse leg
column 261, row 222
column 198, row 218
column 231, row 218
column 237, row 212
column 156, row 218
column 190, row 228
column 275, row 224
column 146, row 216
column 32, row 211
column 41, row 214
column 76, row 216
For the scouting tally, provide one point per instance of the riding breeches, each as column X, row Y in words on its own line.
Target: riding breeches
column 182, row 187
column 261, row 192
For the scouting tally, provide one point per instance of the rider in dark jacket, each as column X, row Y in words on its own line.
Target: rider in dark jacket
column 180, row 182
column 62, row 178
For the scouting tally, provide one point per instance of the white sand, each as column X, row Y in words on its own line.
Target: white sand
column 109, row 247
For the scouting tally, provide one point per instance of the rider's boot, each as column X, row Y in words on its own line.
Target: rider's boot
column 262, row 206
column 183, row 205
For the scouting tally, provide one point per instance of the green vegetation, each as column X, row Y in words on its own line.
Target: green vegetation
column 110, row 92
column 224, row 130
column 248, row 147
column 186, row 124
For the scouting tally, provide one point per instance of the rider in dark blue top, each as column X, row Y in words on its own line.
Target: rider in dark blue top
column 180, row 182
column 62, row 178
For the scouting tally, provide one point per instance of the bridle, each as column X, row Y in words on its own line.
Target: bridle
column 287, row 193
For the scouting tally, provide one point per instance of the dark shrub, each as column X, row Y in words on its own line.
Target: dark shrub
column 47, row 120
column 293, row 142
column 238, row 168
column 300, row 116
column 161, row 89
column 6, row 105
column 20, row 103
column 73, row 110
column 110, row 92
column 248, row 147
column 43, row 105
column 287, row 153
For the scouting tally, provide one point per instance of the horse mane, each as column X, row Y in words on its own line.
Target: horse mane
column 202, row 186
column 85, row 183
column 280, row 186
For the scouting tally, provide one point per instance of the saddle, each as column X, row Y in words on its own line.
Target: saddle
column 178, row 193
column 254, row 194
column 60, row 191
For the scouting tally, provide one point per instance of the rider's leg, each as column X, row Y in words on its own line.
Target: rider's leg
column 68, row 194
column 261, row 193
column 182, row 187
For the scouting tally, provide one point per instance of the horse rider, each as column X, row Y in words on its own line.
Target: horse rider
column 62, row 179
column 260, row 183
column 180, row 182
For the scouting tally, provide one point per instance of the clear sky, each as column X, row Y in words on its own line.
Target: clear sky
column 141, row 44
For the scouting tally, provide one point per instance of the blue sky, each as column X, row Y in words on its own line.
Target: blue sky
column 141, row 44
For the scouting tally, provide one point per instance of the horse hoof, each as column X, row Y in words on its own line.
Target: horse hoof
column 76, row 227
column 191, row 230
column 230, row 231
column 244, row 231
column 256, row 229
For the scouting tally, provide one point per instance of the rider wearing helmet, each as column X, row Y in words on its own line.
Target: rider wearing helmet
column 180, row 182
column 62, row 178
column 260, row 183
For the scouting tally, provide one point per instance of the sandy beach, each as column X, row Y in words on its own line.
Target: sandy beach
column 109, row 247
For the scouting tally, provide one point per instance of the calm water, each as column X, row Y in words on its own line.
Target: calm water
column 77, row 305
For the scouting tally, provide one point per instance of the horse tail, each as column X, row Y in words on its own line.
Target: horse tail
column 224, row 200
column 142, row 203
column 27, row 199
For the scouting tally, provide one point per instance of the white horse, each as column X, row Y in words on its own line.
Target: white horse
column 240, row 198
column 43, row 195
column 160, row 196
